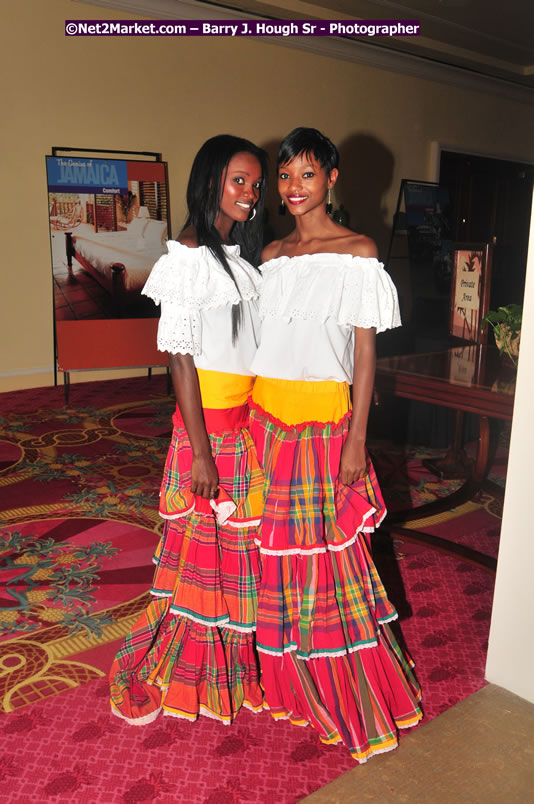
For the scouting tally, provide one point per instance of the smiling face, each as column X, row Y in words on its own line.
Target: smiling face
column 303, row 184
column 241, row 189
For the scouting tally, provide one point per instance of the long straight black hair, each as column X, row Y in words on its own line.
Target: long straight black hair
column 204, row 192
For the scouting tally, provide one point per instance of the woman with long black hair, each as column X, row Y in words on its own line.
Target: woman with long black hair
column 193, row 650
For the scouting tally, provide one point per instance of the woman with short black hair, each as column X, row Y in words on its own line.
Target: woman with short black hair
column 327, row 654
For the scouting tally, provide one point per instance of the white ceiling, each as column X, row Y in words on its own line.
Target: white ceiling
column 485, row 45
column 493, row 37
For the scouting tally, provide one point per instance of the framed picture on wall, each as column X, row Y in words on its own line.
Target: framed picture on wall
column 470, row 291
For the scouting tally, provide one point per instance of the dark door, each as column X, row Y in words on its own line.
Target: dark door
column 490, row 203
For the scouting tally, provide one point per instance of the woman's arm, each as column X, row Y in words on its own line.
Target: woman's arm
column 204, row 475
column 353, row 465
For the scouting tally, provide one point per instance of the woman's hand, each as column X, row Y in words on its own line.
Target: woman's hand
column 204, row 477
column 353, row 463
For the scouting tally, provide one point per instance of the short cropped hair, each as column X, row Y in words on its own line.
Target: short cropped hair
column 310, row 142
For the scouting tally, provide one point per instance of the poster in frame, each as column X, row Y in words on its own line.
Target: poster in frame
column 470, row 291
column 108, row 216
column 108, row 226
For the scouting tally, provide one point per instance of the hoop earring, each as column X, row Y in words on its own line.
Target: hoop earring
column 252, row 216
column 329, row 204
column 282, row 208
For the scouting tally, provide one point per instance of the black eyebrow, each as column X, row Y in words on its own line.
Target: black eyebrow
column 244, row 173
column 304, row 167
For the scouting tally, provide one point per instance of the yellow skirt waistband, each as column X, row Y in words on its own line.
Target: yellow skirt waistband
column 295, row 402
column 221, row 390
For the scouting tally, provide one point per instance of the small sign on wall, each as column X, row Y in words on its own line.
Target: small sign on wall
column 470, row 291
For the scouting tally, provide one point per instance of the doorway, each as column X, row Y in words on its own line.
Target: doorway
column 490, row 203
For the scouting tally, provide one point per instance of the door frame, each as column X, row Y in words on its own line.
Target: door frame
column 436, row 147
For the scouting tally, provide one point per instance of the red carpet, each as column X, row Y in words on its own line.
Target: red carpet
column 78, row 490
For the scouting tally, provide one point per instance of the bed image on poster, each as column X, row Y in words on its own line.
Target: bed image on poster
column 108, row 226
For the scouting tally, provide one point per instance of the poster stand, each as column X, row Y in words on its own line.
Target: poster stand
column 66, row 377
column 107, row 200
column 420, row 241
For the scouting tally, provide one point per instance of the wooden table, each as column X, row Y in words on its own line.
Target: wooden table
column 473, row 379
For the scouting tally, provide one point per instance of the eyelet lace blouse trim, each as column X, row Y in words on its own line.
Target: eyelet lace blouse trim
column 194, row 279
column 179, row 330
column 187, row 282
column 355, row 291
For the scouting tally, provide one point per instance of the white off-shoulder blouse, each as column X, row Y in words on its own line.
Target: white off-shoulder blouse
column 196, row 297
column 309, row 306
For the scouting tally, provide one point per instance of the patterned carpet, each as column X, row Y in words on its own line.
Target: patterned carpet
column 78, row 501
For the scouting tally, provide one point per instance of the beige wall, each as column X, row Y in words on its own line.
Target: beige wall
column 169, row 95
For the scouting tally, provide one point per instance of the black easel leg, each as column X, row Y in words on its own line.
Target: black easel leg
column 66, row 381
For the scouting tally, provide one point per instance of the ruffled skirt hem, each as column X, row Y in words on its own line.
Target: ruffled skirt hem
column 360, row 699
column 184, row 669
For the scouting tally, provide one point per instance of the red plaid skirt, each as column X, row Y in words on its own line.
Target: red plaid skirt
column 327, row 655
column 193, row 650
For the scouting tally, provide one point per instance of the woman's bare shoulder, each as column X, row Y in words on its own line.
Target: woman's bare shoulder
column 188, row 237
column 272, row 250
column 361, row 246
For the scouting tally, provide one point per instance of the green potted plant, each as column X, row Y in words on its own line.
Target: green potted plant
column 506, row 325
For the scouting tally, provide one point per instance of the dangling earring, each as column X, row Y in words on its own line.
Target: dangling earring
column 252, row 216
column 282, row 208
column 329, row 204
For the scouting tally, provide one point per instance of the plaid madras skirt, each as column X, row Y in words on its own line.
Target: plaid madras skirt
column 193, row 650
column 328, row 657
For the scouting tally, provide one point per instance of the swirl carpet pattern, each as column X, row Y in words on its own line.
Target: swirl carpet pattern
column 79, row 524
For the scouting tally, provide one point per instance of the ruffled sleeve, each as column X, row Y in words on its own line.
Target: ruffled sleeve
column 369, row 297
column 194, row 279
column 179, row 330
column 355, row 291
column 188, row 280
